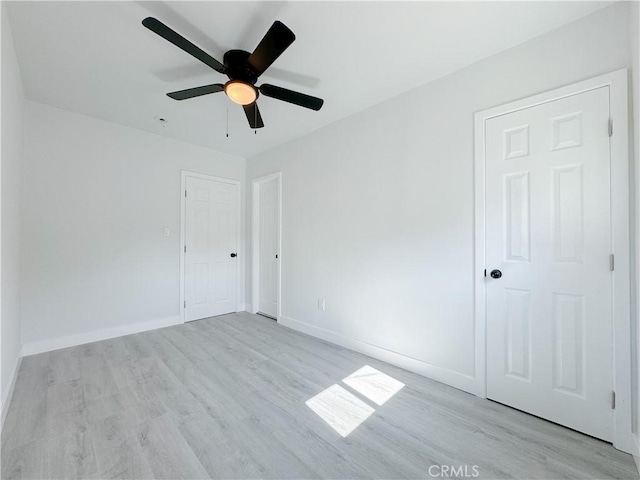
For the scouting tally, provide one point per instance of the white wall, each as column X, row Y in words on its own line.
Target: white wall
column 634, row 38
column 96, row 198
column 378, row 208
column 11, row 105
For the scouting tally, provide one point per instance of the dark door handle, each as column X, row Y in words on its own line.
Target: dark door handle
column 276, row 255
column 496, row 273
column 234, row 255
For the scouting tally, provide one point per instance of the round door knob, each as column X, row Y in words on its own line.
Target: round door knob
column 233, row 255
column 496, row 273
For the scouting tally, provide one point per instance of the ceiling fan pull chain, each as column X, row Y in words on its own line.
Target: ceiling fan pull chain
column 255, row 122
column 227, row 122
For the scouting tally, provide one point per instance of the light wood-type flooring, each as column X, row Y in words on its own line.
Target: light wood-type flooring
column 226, row 397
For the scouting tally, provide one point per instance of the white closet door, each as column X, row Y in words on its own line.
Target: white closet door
column 549, row 316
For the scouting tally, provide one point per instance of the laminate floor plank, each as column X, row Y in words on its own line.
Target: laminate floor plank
column 97, row 378
column 71, row 452
column 274, row 460
column 226, row 397
column 65, row 365
column 220, row 458
column 167, row 452
column 29, row 461
column 219, row 403
column 26, row 419
column 180, row 404
column 65, row 405
column 118, row 453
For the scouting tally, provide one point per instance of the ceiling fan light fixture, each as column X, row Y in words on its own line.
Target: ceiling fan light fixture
column 240, row 92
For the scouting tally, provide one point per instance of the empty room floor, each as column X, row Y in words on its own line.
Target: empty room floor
column 239, row 396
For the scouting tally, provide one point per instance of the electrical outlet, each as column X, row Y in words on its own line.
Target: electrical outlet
column 321, row 304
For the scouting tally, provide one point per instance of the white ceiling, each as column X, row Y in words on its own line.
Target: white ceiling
column 95, row 58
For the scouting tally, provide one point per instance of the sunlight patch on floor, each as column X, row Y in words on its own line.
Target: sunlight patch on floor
column 342, row 410
column 373, row 384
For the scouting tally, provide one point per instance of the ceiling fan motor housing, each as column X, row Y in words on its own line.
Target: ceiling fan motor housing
column 237, row 67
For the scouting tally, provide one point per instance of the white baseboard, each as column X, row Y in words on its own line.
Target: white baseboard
column 6, row 400
column 57, row 343
column 443, row 375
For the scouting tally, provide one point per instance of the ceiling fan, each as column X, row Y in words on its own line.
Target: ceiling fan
column 242, row 68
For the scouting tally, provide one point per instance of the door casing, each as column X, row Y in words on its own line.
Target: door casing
column 183, row 223
column 620, row 219
column 255, row 242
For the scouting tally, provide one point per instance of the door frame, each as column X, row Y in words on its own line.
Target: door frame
column 617, row 82
column 255, row 242
column 183, row 223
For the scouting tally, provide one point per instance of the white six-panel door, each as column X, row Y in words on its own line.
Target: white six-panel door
column 268, row 231
column 211, row 248
column 548, row 232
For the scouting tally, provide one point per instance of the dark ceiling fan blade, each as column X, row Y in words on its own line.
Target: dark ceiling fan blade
column 276, row 41
column 179, row 41
column 253, row 115
column 297, row 98
column 196, row 92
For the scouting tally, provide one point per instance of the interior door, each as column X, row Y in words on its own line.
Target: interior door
column 269, row 226
column 210, row 248
column 549, row 284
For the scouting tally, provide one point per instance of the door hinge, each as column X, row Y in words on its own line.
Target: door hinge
column 185, row 249
column 185, row 304
column 485, row 272
column 612, row 262
column 610, row 127
column 613, row 400
column 185, row 194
